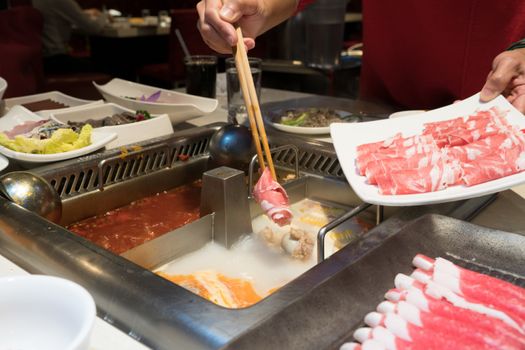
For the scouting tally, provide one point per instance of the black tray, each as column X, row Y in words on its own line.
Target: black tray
column 496, row 253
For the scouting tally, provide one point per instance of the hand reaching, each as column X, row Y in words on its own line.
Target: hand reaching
column 217, row 17
column 507, row 77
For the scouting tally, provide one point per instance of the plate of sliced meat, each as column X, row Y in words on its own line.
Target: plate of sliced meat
column 464, row 150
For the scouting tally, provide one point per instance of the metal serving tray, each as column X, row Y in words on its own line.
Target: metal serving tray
column 496, row 253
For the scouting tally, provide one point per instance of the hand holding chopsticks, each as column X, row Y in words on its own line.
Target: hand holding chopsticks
column 252, row 104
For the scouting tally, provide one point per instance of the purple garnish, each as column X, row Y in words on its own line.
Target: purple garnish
column 153, row 98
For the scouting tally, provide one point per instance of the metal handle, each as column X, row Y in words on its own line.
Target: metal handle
column 254, row 160
column 331, row 225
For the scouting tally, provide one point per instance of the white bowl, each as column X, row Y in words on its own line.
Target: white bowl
column 179, row 107
column 45, row 313
column 18, row 115
column 401, row 114
column 157, row 126
column 56, row 96
column 3, row 87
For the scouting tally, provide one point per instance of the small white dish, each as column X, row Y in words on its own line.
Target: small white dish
column 178, row 106
column 45, row 313
column 3, row 87
column 322, row 130
column 18, row 115
column 401, row 114
column 4, row 162
column 56, row 96
column 346, row 138
column 158, row 125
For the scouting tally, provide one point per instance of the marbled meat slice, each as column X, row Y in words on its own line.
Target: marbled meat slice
column 273, row 198
column 395, row 152
column 382, row 167
column 494, row 166
column 479, row 149
column 420, row 180
column 397, row 141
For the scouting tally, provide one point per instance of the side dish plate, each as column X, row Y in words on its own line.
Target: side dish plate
column 178, row 106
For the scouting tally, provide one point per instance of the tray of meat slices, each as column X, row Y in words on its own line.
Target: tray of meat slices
column 439, row 283
column 464, row 150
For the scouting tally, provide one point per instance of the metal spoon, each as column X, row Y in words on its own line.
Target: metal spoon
column 33, row 193
column 232, row 145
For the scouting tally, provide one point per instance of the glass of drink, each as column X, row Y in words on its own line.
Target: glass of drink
column 237, row 113
column 201, row 75
column 324, row 33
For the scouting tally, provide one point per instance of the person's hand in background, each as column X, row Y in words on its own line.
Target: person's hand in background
column 217, row 17
column 507, row 77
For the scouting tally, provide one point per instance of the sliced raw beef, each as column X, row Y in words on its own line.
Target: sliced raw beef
column 396, row 152
column 430, row 307
column 477, row 149
column 397, row 141
column 273, row 198
column 420, row 180
column 467, row 276
column 493, row 166
column 383, row 167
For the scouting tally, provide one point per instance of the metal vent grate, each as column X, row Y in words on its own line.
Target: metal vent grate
column 100, row 170
column 313, row 158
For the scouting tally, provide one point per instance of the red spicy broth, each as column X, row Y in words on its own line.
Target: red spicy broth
column 129, row 226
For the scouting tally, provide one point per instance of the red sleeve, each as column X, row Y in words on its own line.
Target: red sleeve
column 303, row 4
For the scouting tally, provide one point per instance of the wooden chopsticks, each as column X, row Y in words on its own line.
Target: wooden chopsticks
column 252, row 104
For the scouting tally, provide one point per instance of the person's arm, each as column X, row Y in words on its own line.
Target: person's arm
column 72, row 12
column 216, row 19
column 507, row 76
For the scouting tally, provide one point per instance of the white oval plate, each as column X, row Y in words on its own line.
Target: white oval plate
column 178, row 106
column 346, row 138
column 19, row 114
column 158, row 125
column 57, row 96
column 301, row 129
column 407, row 113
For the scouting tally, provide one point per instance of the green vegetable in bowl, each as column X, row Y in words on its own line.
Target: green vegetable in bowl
column 294, row 121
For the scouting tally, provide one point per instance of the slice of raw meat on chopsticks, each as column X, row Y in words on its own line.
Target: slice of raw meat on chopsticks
column 273, row 198
column 268, row 192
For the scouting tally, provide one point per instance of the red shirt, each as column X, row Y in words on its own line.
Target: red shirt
column 426, row 54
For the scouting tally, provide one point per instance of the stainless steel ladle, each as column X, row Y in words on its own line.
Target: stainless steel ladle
column 232, row 145
column 33, row 193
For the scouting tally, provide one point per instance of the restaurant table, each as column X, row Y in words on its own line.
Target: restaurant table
column 128, row 31
column 506, row 212
column 120, row 50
